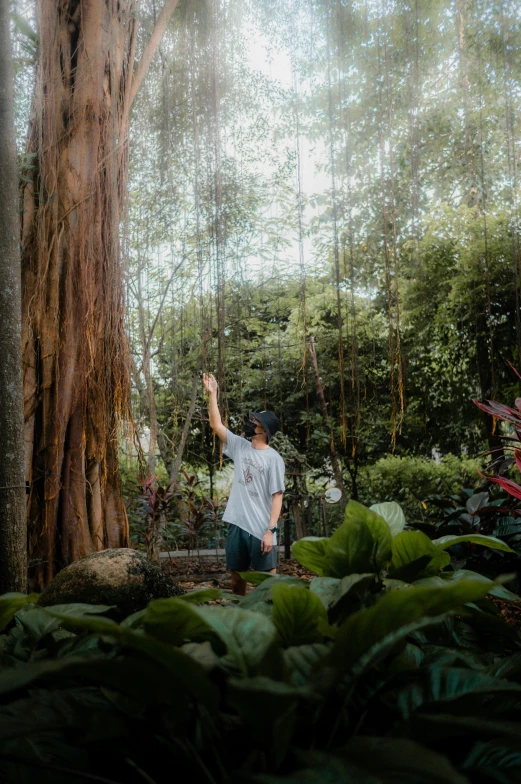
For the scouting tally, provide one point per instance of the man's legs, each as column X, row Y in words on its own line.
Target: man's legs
column 242, row 551
column 237, row 557
column 259, row 561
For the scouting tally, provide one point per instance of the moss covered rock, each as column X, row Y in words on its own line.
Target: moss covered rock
column 121, row 577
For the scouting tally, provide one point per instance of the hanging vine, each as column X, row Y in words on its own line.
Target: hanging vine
column 300, row 214
column 334, row 226
column 388, row 201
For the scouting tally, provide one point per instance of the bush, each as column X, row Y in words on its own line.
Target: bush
column 409, row 480
column 355, row 676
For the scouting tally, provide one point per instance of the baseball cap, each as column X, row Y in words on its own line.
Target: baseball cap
column 268, row 420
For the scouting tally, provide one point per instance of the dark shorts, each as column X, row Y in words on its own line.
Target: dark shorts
column 244, row 550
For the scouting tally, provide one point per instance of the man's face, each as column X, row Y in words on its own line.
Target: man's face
column 258, row 427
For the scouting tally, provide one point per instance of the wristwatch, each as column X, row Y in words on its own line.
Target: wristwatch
column 273, row 530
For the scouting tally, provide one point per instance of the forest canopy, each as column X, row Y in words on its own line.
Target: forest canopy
column 346, row 171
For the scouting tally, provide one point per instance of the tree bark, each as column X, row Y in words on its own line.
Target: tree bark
column 13, row 533
column 75, row 352
column 297, row 517
column 337, row 470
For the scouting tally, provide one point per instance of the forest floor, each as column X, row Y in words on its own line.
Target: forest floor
column 209, row 572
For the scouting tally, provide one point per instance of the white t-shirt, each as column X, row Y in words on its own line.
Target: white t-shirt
column 257, row 475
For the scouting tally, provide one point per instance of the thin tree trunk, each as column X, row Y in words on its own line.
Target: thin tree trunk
column 175, row 467
column 337, row 471
column 297, row 517
column 287, row 537
column 13, row 533
column 151, row 408
column 75, row 352
column 474, row 197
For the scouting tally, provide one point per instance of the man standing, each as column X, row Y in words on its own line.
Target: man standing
column 255, row 501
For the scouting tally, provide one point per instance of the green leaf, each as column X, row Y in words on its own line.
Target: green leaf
column 179, row 667
column 10, row 603
column 13, row 679
column 438, row 726
column 462, row 574
column 84, row 622
column 175, row 621
column 414, row 556
column 340, row 596
column 486, row 541
column 301, row 660
column 351, row 592
column 247, row 635
column 394, row 642
column 393, row 515
column 262, row 592
column 310, row 552
column 401, row 760
column 297, row 614
column 317, row 767
column 256, row 577
column 134, row 621
column 495, row 626
column 81, row 609
column 267, row 708
column 326, row 588
column 380, row 533
column 362, row 543
column 398, row 585
column 81, row 707
column 351, row 549
column 201, row 596
column 509, row 667
column 496, row 760
column 48, row 746
column 396, row 609
column 441, row 684
column 203, row 653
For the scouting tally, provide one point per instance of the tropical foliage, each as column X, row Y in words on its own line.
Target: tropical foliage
column 384, row 667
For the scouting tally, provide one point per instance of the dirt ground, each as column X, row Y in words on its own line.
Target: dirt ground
column 510, row 612
column 210, row 572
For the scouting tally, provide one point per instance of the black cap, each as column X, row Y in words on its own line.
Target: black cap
column 269, row 422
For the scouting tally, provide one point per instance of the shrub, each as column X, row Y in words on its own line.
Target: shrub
column 355, row 676
column 409, row 480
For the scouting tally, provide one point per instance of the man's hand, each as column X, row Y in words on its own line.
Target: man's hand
column 210, row 384
column 267, row 543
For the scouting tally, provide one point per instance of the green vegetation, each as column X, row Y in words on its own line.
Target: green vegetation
column 385, row 667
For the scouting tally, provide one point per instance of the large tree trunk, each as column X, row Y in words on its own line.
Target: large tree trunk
column 13, row 536
column 74, row 348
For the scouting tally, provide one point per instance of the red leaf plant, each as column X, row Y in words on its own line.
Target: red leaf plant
column 513, row 417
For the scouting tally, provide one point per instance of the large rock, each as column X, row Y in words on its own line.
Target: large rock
column 121, row 577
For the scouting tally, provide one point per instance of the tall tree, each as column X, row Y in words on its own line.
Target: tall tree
column 74, row 348
column 13, row 537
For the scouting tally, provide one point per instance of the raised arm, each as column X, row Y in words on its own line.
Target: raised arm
column 216, row 424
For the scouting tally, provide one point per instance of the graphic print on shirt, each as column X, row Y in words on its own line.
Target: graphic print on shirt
column 254, row 464
column 248, row 464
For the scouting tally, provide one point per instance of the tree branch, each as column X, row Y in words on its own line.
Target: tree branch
column 150, row 49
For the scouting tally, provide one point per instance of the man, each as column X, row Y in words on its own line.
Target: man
column 255, row 501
